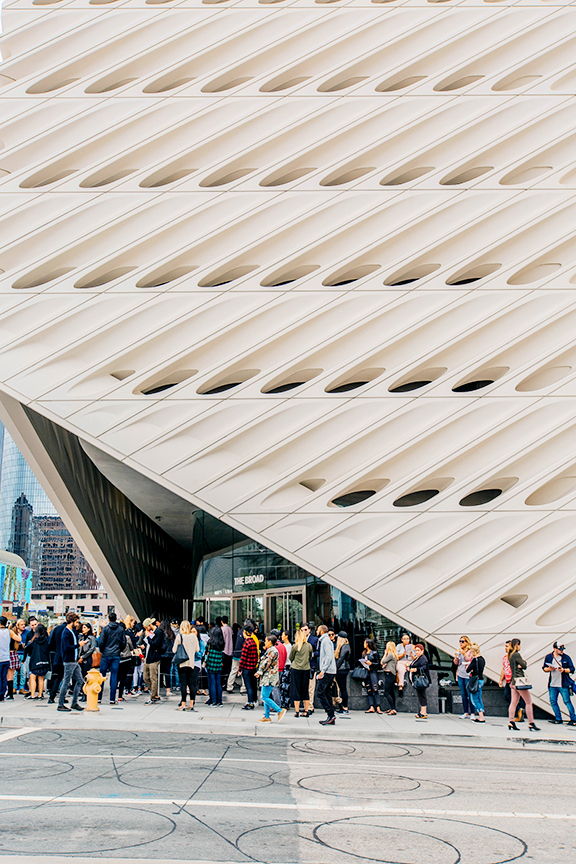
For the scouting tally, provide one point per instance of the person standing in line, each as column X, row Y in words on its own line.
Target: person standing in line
column 165, row 670
column 419, row 675
column 405, row 652
column 235, row 667
column 390, row 667
column 72, row 675
column 342, row 656
column 559, row 666
column 518, row 666
column 54, row 646
column 126, row 668
column 4, row 655
column 475, row 670
column 314, row 642
column 284, row 645
column 27, row 634
column 188, row 671
column 249, row 660
column 87, row 643
column 268, row 674
column 214, row 655
column 461, row 659
column 505, row 678
column 326, row 674
column 371, row 661
column 15, row 642
column 152, row 640
column 37, row 655
column 299, row 657
column 228, row 647
column 111, row 643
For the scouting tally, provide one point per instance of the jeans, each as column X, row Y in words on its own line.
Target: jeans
column 72, row 675
column 342, row 681
column 250, row 684
column 21, row 676
column 4, row 666
column 55, row 679
column 462, row 682
column 269, row 703
column 389, row 682
column 372, row 690
column 215, row 687
column 476, row 698
column 188, row 682
column 112, row 664
column 323, row 685
column 554, row 693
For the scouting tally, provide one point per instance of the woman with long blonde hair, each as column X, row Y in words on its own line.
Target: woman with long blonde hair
column 187, row 671
column 390, row 667
column 462, row 658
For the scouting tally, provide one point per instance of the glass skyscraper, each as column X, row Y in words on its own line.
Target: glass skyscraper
column 21, row 498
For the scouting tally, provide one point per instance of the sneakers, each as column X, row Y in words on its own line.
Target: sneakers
column 248, row 707
column 62, row 708
column 559, row 722
column 330, row 721
column 344, row 714
column 152, row 701
column 281, row 714
column 264, row 720
column 76, row 707
column 464, row 716
column 571, row 723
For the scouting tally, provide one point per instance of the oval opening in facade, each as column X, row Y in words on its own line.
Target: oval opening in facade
column 466, row 176
column 412, row 275
column 291, row 275
column 35, row 280
column 555, row 489
column 290, row 382
column 391, row 87
column 533, row 274
column 482, row 496
column 352, row 498
column 414, row 498
column 457, row 84
column 406, row 176
column 470, row 386
column 227, row 382
column 543, row 378
column 408, row 386
column 344, row 388
column 165, row 383
column 352, row 275
column 473, row 274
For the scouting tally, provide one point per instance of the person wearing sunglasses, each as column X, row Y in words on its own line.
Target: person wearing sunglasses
column 462, row 659
column 559, row 667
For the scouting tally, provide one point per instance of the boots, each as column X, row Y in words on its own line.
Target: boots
column 10, row 690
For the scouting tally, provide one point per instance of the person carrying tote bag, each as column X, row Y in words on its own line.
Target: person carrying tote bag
column 519, row 686
column 420, row 678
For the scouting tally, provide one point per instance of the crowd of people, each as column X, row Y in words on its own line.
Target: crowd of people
column 289, row 670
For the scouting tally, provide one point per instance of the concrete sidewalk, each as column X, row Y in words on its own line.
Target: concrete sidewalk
column 230, row 719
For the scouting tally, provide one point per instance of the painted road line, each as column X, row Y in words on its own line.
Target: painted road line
column 414, row 767
column 372, row 807
column 15, row 733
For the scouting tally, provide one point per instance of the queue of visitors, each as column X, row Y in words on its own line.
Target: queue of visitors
column 289, row 670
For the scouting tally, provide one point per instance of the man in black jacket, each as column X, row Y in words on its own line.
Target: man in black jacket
column 111, row 643
column 72, row 673
column 559, row 667
column 56, row 659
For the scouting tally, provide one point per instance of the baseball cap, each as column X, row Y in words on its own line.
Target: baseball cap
column 559, row 646
column 148, row 622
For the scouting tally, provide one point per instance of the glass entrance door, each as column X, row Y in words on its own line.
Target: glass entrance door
column 285, row 610
column 216, row 608
column 250, row 606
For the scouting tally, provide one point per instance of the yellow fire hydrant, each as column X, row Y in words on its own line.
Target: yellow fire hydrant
column 92, row 687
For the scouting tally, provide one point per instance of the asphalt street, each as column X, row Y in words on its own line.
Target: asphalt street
column 118, row 795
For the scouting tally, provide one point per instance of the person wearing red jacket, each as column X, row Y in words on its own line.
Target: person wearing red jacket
column 248, row 666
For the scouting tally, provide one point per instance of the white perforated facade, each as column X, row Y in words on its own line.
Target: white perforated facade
column 203, row 203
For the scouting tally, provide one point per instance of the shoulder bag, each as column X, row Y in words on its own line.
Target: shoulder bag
column 420, row 682
column 522, row 683
column 360, row 673
column 473, row 684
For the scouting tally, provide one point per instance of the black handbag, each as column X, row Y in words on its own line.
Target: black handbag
column 360, row 673
column 180, row 655
column 420, row 682
column 473, row 684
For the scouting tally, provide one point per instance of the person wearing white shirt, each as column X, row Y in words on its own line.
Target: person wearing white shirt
column 4, row 655
column 405, row 651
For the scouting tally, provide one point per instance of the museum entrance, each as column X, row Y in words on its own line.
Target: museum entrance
column 279, row 609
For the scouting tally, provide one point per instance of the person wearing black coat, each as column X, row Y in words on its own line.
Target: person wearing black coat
column 371, row 662
column 38, row 650
column 342, row 655
column 57, row 667
column 419, row 674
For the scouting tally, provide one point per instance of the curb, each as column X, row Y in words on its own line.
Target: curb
column 288, row 732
